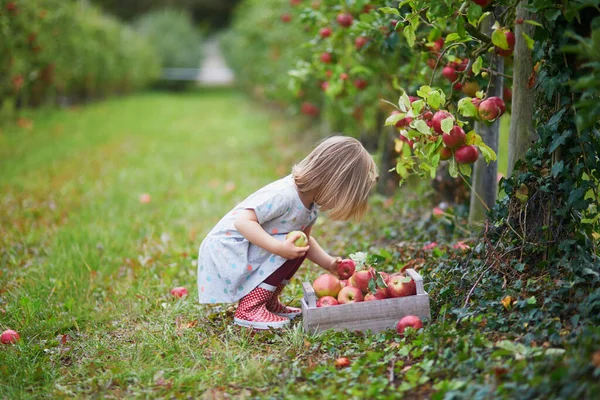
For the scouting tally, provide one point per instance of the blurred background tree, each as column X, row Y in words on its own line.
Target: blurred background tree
column 209, row 14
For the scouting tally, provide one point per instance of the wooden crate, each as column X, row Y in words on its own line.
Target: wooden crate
column 376, row 315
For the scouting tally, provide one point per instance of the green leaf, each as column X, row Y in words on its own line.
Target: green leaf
column 404, row 102
column 558, row 168
column 522, row 193
column 466, row 108
column 394, row 118
column 421, row 126
column 531, row 300
column 453, row 168
column 447, row 124
column 389, row 10
column 528, row 40
column 460, row 27
column 434, row 99
column 372, row 286
column 534, row 23
column 465, row 169
column 380, row 282
column 409, row 34
column 477, row 65
column 424, row 91
column 499, row 39
column 434, row 34
column 452, row 37
column 418, row 106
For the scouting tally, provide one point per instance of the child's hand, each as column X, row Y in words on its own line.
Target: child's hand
column 334, row 264
column 289, row 250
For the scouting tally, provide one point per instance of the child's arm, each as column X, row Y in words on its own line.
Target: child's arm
column 319, row 256
column 247, row 224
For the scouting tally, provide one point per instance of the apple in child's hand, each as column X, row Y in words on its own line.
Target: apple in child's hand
column 350, row 294
column 408, row 321
column 327, row 301
column 400, row 285
column 360, row 279
column 345, row 268
column 179, row 291
column 301, row 241
column 327, row 285
column 9, row 337
column 342, row 362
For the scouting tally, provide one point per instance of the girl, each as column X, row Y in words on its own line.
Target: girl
column 247, row 257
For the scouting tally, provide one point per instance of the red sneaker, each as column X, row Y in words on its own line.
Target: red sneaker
column 278, row 308
column 252, row 313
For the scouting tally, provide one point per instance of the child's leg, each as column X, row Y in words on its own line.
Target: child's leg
column 281, row 278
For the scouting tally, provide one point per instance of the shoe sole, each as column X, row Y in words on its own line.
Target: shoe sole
column 260, row 325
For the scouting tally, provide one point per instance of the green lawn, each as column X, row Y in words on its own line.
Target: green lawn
column 82, row 256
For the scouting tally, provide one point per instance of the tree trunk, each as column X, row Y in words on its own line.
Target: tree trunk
column 484, row 183
column 522, row 134
column 388, row 181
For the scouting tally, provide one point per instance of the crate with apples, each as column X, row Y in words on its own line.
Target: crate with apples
column 362, row 298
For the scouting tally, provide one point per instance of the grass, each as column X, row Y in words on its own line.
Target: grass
column 86, row 268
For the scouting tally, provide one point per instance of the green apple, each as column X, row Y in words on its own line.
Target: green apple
column 302, row 241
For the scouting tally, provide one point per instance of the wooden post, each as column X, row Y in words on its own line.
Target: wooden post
column 484, row 183
column 522, row 135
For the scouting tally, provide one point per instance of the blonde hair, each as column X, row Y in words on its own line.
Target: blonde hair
column 341, row 173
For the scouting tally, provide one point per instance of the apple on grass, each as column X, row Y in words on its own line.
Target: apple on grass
column 327, row 301
column 350, row 294
column 327, row 285
column 301, row 241
column 179, row 291
column 411, row 321
column 9, row 337
column 400, row 285
column 342, row 362
column 346, row 268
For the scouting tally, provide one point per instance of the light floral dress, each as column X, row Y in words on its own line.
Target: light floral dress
column 229, row 266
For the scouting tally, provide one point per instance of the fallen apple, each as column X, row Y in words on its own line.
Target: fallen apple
column 408, row 321
column 302, row 240
column 346, row 268
column 327, row 285
column 9, row 337
column 327, row 301
column 145, row 198
column 342, row 362
column 350, row 294
column 179, row 291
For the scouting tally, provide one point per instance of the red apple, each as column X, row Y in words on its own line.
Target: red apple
column 295, row 2
column 471, row 88
column 286, row 18
column 437, row 46
column 455, row 138
column 445, row 153
column 350, row 294
column 343, row 282
column 427, row 115
column 488, row 109
column 506, row 94
column 179, row 291
column 327, row 301
column 9, row 337
column 309, row 109
column 449, row 73
column 430, row 246
column 344, row 76
column 380, row 294
column 457, row 86
column 408, row 321
column 438, row 118
column 400, row 285
column 482, row 3
column 327, row 285
column 500, row 104
column 360, row 41
column 326, row 58
column 370, row 297
column 325, row 32
column 361, row 84
column 404, row 122
column 344, row 19
column 510, row 38
column 145, row 198
column 346, row 268
column 360, row 279
column 466, row 154
column 342, row 362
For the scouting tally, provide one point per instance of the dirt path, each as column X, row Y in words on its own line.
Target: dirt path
column 213, row 70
